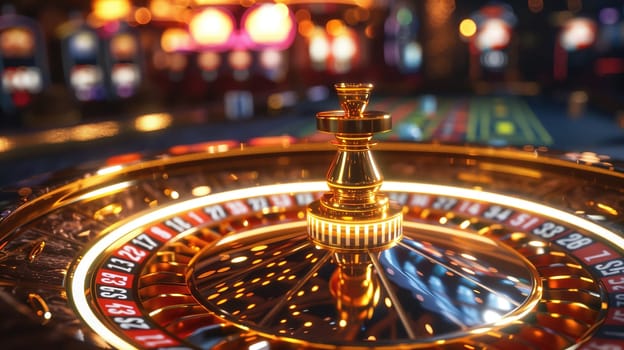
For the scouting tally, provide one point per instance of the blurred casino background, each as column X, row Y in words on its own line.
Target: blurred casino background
column 88, row 80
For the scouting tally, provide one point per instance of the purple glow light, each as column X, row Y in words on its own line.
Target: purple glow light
column 609, row 15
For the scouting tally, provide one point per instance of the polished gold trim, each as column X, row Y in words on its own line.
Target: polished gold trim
column 372, row 122
column 69, row 193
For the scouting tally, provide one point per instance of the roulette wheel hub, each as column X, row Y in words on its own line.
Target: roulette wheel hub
column 354, row 215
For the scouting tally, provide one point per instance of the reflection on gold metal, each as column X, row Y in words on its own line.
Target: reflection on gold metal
column 111, row 209
column 516, row 170
column 109, row 169
column 608, row 209
column 476, row 178
column 107, row 190
column 36, row 250
column 356, row 291
column 173, row 194
column 354, row 215
column 40, row 307
column 201, row 191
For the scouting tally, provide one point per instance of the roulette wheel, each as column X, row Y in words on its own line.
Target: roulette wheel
column 231, row 246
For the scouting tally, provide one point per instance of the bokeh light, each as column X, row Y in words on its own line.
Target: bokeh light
column 609, row 15
column 175, row 39
column 83, row 44
column 240, row 59
column 578, row 33
column 319, row 47
column 110, row 10
column 142, row 15
column 123, row 46
column 467, row 28
column 161, row 9
column 335, row 27
column 208, row 60
column 494, row 34
column 270, row 25
column 212, row 27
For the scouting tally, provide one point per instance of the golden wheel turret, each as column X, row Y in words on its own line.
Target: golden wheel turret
column 354, row 215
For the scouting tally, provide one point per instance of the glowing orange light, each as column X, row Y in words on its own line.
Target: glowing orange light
column 183, row 14
column 142, row 15
column 302, row 15
column 177, row 62
column 123, row 46
column 351, row 16
column 269, row 23
column 175, row 39
column 152, row 122
column 110, row 10
column 208, row 60
column 335, row 27
column 123, row 159
column 306, row 28
column 210, row 147
column 161, row 8
column 5, row 144
column 17, row 42
column 467, row 28
column 212, row 26
column 240, row 59
column 369, row 31
column 283, row 140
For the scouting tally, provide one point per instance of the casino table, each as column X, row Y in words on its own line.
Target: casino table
column 435, row 217
column 499, row 121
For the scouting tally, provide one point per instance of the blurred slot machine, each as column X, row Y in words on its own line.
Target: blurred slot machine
column 334, row 48
column 124, row 61
column 489, row 32
column 212, row 32
column 269, row 30
column 610, row 44
column 256, row 46
column 23, row 63
column 401, row 47
column 571, row 54
column 83, row 63
column 172, row 54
